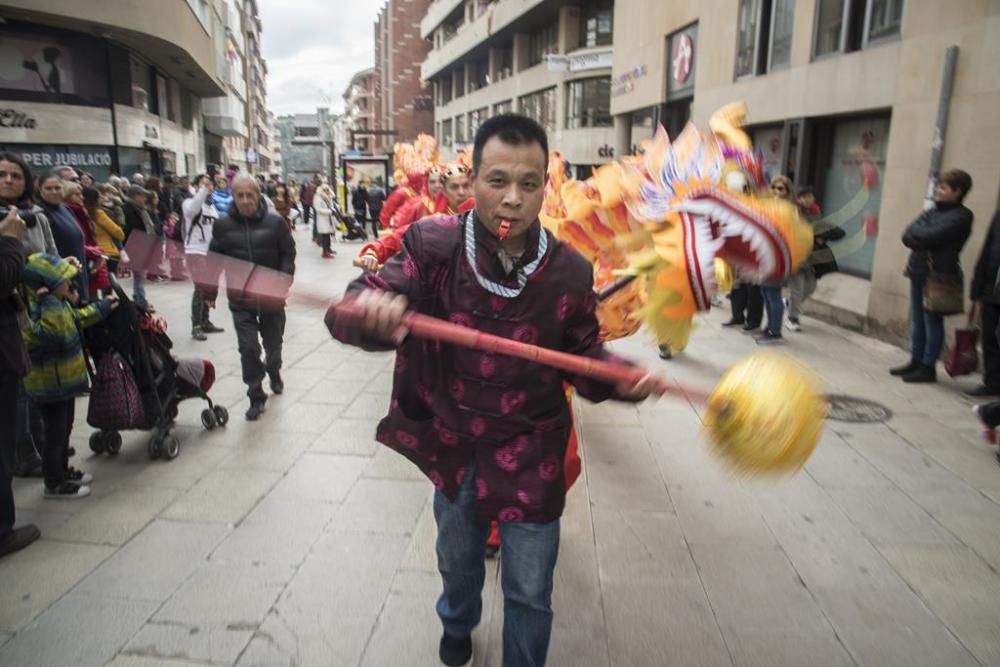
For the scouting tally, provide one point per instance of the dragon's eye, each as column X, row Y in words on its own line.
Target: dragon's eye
column 736, row 183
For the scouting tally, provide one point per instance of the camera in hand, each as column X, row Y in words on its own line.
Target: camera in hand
column 30, row 220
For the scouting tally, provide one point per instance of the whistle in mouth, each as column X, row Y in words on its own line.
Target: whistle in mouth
column 504, row 229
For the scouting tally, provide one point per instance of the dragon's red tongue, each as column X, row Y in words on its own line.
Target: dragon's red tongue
column 504, row 229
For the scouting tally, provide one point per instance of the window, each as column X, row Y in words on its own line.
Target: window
column 540, row 106
column 543, row 42
column 141, row 78
column 505, row 63
column 849, row 25
column 445, row 85
column 479, row 74
column 187, row 110
column 460, row 129
column 307, row 132
column 764, row 36
column 459, row 76
column 503, row 107
column 476, row 118
column 589, row 103
column 173, row 101
column 446, row 132
column 596, row 22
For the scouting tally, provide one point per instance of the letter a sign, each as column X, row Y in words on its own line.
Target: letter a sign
column 682, row 58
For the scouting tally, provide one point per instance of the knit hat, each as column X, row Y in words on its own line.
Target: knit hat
column 49, row 271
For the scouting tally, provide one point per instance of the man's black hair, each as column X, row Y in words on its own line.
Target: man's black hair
column 806, row 190
column 510, row 128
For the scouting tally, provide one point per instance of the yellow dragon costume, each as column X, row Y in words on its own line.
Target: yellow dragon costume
column 667, row 230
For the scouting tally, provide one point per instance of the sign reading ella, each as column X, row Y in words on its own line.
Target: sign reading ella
column 15, row 118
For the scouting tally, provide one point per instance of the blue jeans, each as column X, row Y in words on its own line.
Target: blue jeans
column 775, row 308
column 926, row 329
column 139, row 288
column 527, row 561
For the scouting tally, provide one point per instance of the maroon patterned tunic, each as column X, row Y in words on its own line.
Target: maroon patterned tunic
column 452, row 405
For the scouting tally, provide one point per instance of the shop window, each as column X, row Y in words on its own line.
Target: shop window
column 764, row 36
column 503, row 107
column 543, row 42
column 596, row 23
column 643, row 124
column 848, row 25
column 589, row 103
column 541, row 107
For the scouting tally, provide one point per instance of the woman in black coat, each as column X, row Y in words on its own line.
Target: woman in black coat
column 935, row 239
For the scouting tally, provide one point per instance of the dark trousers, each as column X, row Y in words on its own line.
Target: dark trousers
column 58, row 419
column 376, row 225
column 926, row 329
column 307, row 210
column 324, row 241
column 199, row 274
column 252, row 328
column 748, row 304
column 8, row 437
column 775, row 308
column 991, row 346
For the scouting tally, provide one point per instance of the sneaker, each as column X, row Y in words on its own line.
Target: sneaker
column 905, row 369
column 19, row 538
column 67, row 491
column 255, row 410
column 78, row 477
column 768, row 338
column 198, row 333
column 922, row 374
column 210, row 328
column 455, row 652
column 329, row 255
column 277, row 384
column 665, row 353
column 792, row 324
column 989, row 432
column 750, row 328
column 728, row 324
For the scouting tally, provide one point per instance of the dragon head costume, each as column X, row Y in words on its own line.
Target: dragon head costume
column 679, row 221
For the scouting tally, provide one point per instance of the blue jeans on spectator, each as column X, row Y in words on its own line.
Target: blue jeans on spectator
column 775, row 308
column 926, row 329
column 139, row 288
column 528, row 554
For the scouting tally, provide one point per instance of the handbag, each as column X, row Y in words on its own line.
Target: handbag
column 962, row 358
column 115, row 403
column 943, row 292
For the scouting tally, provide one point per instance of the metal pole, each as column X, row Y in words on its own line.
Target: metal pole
column 941, row 125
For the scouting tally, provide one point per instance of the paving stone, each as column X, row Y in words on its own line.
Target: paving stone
column 659, row 624
column 890, row 627
column 421, row 554
column 641, row 546
column 389, row 464
column 979, row 531
column 609, row 412
column 233, row 594
column 77, row 630
column 383, row 506
column 718, row 514
column 355, row 437
column 624, row 476
column 268, row 451
column 217, row 643
column 155, row 562
column 836, row 464
column 183, row 472
column 44, row 519
column 116, row 517
column 905, row 465
column 368, row 406
column 224, row 496
column 321, row 477
column 888, row 517
column 406, row 632
column 777, row 648
column 35, row 577
column 280, row 530
column 122, row 660
column 301, row 418
column 333, row 391
column 280, row 643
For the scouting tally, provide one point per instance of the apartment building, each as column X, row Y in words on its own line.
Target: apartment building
column 107, row 87
column 306, row 142
column 403, row 102
column 830, row 85
column 548, row 59
column 359, row 113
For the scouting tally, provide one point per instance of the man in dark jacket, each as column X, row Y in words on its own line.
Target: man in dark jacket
column 138, row 219
column 936, row 239
column 260, row 238
column 376, row 197
column 359, row 202
column 985, row 295
column 13, row 367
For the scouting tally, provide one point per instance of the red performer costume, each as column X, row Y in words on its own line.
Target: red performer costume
column 406, row 191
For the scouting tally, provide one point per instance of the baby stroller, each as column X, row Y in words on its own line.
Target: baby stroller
column 139, row 383
column 353, row 229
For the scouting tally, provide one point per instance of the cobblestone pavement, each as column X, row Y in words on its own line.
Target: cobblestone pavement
column 297, row 540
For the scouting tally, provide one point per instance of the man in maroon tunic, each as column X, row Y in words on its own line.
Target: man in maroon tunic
column 489, row 431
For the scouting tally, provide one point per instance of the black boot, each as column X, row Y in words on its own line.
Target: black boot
column 277, row 384
column 921, row 374
column 905, row 369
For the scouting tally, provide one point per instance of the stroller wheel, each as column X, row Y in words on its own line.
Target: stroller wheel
column 97, row 442
column 153, row 447
column 221, row 415
column 171, row 447
column 208, row 419
column 113, row 442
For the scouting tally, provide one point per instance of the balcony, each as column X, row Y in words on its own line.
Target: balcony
column 225, row 116
column 474, row 34
column 436, row 14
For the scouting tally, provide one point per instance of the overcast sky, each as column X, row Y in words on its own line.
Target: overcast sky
column 313, row 47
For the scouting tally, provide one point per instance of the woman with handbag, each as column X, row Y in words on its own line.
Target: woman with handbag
column 935, row 239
